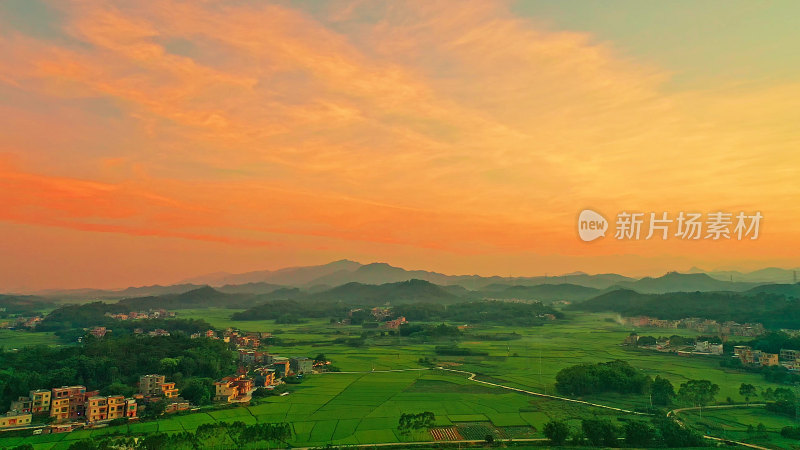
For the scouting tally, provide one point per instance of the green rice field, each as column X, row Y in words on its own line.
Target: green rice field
column 351, row 408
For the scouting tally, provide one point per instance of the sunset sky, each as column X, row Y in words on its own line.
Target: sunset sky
column 145, row 142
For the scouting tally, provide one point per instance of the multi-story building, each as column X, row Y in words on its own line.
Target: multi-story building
column 168, row 390
column 231, row 389
column 268, row 374
column 59, row 409
column 37, row 402
column 748, row 356
column 108, row 408
column 97, row 409
column 40, row 401
column 69, row 402
column 116, row 407
column 15, row 419
column 301, row 365
column 789, row 355
column 150, row 385
column 21, row 405
column 768, row 359
column 281, row 366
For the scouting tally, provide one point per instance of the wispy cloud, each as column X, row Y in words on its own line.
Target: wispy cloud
column 459, row 130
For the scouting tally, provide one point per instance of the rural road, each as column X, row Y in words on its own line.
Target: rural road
column 502, row 386
column 472, row 376
column 675, row 412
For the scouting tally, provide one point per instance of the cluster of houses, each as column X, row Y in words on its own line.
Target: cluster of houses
column 700, row 347
column 750, row 357
column 790, row 359
column 249, row 339
column 787, row 358
column 100, row 332
column 702, row 325
column 73, row 406
column 67, row 404
column 151, row 314
column 21, row 322
column 269, row 368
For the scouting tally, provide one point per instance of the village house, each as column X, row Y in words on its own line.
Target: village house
column 155, row 385
column 281, row 366
column 395, row 324
column 174, row 407
column 268, row 374
column 98, row 332
column 233, row 389
column 300, row 365
column 708, row 347
column 158, row 332
column 381, row 313
column 631, row 340
column 14, row 419
column 751, row 357
column 251, row 357
column 69, row 402
column 789, row 355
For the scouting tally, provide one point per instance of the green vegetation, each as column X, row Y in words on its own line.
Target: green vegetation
column 614, row 376
column 220, row 434
column 113, row 361
column 556, row 431
column 698, row 392
column 70, row 321
column 772, row 310
column 507, row 313
column 352, row 408
column 26, row 305
column 410, row 422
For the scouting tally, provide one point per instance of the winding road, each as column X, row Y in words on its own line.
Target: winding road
column 471, row 377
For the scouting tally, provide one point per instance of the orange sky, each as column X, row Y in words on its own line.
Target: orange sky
column 145, row 142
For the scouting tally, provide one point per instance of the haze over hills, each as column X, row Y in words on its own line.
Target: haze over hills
column 345, row 271
column 321, row 278
column 683, row 282
column 766, row 275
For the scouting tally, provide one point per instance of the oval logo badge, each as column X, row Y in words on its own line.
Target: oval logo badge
column 591, row 225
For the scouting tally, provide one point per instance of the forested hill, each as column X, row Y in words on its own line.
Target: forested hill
column 198, row 298
column 772, row 310
column 400, row 292
column 22, row 304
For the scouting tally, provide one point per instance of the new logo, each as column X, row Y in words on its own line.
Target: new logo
column 591, row 225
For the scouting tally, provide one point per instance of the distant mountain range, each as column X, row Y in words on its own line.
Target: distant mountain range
column 318, row 279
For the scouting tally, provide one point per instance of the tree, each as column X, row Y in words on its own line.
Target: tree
column 676, row 436
column 410, row 422
column 599, row 432
column 698, row 392
column 556, row 431
column 662, row 391
column 747, row 391
column 639, row 434
column 646, row 340
column 155, row 409
column 761, row 431
column 198, row 391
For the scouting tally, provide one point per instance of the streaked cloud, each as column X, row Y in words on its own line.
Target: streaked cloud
column 399, row 131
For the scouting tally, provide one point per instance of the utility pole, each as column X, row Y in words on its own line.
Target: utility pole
column 540, row 371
